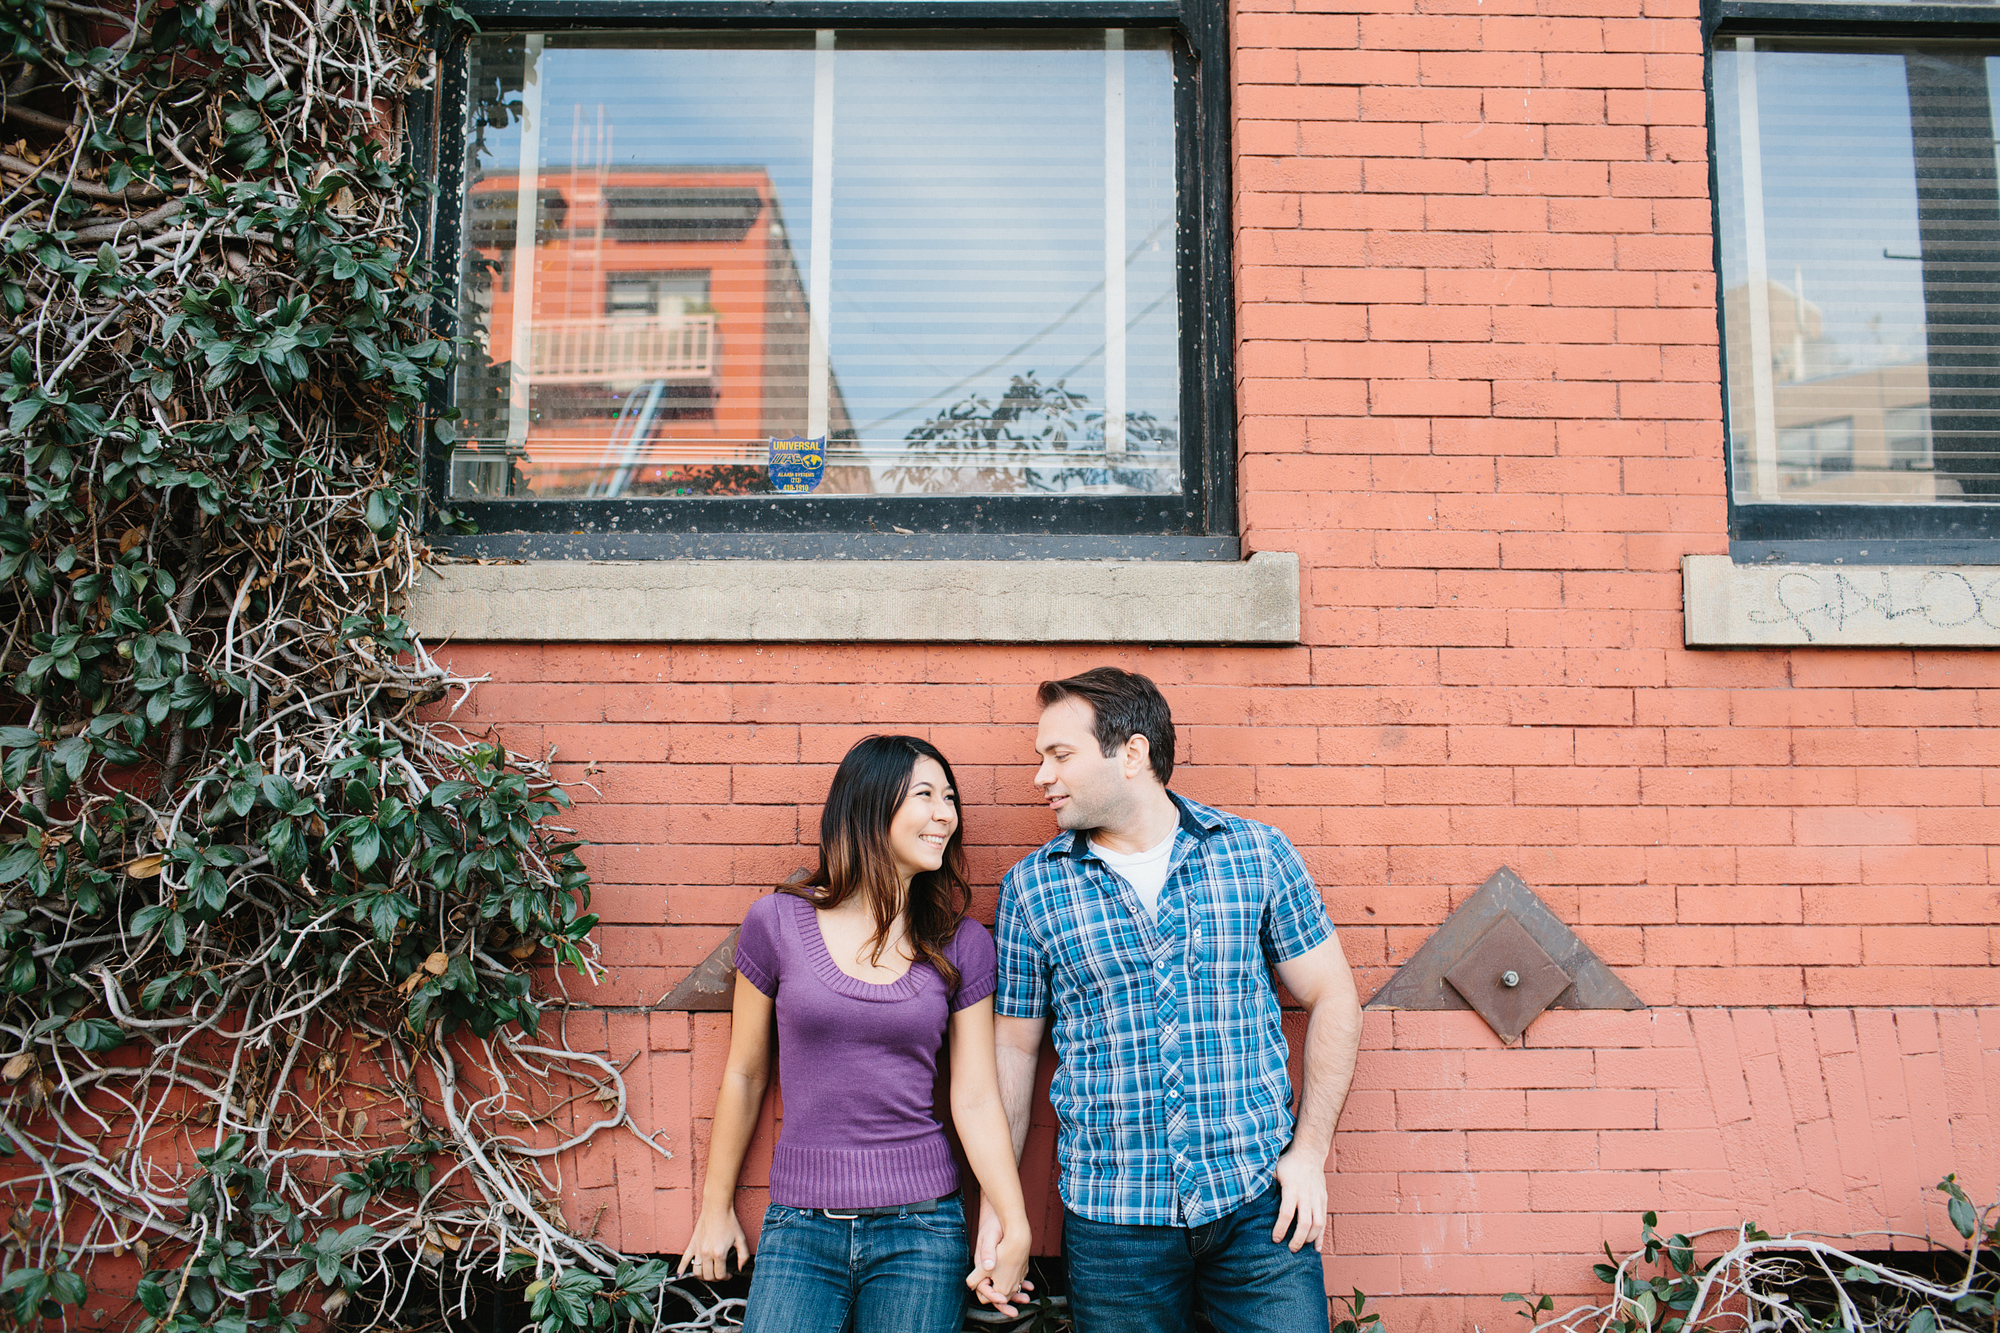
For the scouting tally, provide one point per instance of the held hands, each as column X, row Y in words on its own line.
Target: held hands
column 1301, row 1176
column 716, row 1233
column 1000, row 1262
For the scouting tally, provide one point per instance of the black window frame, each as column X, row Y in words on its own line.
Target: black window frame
column 1199, row 523
column 1954, row 534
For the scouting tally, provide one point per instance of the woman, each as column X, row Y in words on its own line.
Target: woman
column 868, row 965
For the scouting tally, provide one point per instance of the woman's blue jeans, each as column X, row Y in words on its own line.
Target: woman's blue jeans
column 893, row 1273
column 1134, row 1279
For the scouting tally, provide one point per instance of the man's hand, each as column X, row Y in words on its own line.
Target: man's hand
column 986, row 1239
column 1301, row 1177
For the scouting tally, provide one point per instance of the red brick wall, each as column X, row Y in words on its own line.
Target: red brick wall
column 1479, row 397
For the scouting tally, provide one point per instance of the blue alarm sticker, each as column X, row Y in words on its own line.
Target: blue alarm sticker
column 797, row 463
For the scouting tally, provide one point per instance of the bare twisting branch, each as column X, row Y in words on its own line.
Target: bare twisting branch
column 271, row 1042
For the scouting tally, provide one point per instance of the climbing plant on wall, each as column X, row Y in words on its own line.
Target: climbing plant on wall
column 272, row 1030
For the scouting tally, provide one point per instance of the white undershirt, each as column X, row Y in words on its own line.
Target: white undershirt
column 1145, row 871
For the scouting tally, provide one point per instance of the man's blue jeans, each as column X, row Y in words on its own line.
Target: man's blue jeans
column 896, row 1273
column 1133, row 1279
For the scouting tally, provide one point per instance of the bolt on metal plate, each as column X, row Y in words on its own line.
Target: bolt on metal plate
column 1507, row 978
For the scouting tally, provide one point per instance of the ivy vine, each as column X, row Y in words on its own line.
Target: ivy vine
column 271, row 1041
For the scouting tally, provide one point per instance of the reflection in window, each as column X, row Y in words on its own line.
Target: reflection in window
column 1860, row 218
column 1909, row 438
column 1806, row 454
column 953, row 255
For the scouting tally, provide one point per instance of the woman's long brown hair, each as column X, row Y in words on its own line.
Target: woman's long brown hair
column 855, row 856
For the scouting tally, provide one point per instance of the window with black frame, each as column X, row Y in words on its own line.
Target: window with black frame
column 730, row 279
column 1858, row 205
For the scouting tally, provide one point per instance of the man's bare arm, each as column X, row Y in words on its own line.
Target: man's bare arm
column 1324, row 985
column 1017, row 1045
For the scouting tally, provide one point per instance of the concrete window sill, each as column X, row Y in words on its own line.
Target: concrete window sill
column 1727, row 605
column 875, row 601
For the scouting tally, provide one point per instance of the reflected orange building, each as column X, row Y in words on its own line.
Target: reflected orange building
column 666, row 332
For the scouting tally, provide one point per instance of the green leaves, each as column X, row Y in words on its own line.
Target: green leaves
column 365, row 843
column 405, row 1168
column 570, row 1302
column 347, row 1241
column 173, row 986
column 231, row 337
column 33, row 1294
column 326, row 1259
column 94, row 1034
column 384, row 511
column 1647, row 1304
column 1352, row 1321
column 244, row 138
column 287, row 848
column 1964, row 1217
column 18, row 861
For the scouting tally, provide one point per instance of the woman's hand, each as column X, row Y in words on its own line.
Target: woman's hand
column 744, row 1078
column 716, row 1233
column 1002, row 1237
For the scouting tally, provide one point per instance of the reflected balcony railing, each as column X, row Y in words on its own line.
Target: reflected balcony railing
column 611, row 350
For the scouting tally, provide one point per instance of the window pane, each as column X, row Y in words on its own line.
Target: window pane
column 952, row 256
column 1861, row 271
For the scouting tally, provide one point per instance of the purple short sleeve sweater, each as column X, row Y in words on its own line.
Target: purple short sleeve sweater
column 857, row 1061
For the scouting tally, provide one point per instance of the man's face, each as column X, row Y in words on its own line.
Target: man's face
column 1085, row 788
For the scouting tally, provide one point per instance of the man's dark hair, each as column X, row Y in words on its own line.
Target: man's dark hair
column 1127, row 705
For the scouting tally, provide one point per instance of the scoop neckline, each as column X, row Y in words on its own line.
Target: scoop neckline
column 805, row 917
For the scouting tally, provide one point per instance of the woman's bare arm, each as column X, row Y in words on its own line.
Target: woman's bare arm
column 744, row 1079
column 989, row 1146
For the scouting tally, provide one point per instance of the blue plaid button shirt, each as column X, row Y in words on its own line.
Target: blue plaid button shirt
column 1171, row 1090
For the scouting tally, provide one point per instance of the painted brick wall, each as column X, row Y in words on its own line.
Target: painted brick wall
column 1479, row 397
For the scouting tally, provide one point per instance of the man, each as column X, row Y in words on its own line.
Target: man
column 1149, row 927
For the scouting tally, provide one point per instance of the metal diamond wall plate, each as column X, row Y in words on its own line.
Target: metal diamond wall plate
column 1421, row 983
column 711, row 987
column 1507, row 978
